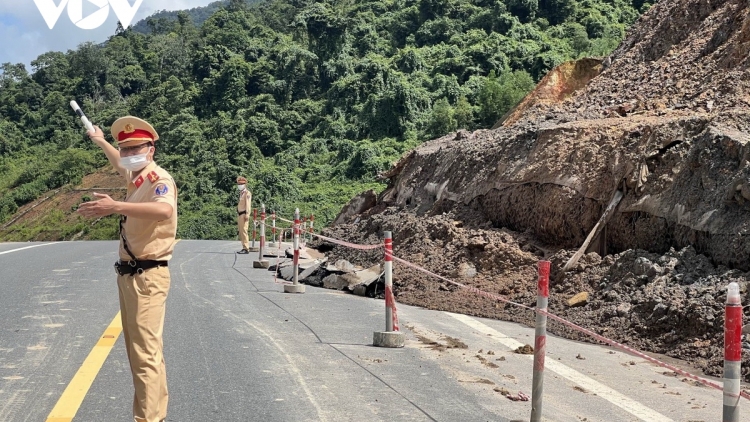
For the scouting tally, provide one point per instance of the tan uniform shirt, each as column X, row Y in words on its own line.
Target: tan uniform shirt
column 150, row 239
column 244, row 204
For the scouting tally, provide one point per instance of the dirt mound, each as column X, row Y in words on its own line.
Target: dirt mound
column 557, row 85
column 47, row 218
column 667, row 124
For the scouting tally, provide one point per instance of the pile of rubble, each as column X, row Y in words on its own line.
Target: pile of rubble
column 660, row 136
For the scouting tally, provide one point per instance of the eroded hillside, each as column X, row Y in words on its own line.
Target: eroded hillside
column 666, row 123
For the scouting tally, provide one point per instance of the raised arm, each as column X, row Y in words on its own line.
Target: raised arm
column 111, row 152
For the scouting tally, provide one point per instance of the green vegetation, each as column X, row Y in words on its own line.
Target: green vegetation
column 309, row 100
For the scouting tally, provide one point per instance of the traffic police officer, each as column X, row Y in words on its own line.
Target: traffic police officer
column 243, row 213
column 148, row 227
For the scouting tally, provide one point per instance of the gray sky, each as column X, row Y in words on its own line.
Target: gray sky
column 24, row 33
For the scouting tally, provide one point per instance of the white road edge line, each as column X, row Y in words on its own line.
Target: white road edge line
column 627, row 404
column 27, row 247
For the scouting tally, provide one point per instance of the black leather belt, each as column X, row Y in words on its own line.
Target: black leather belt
column 137, row 267
column 241, row 212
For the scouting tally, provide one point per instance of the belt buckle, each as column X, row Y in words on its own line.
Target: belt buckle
column 139, row 271
column 132, row 263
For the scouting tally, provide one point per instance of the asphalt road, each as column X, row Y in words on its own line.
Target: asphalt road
column 239, row 349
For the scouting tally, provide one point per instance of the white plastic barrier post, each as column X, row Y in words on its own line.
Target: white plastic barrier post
column 296, row 287
column 312, row 220
column 262, row 263
column 540, row 341
column 391, row 337
column 254, row 248
column 273, row 228
column 304, row 231
column 732, row 353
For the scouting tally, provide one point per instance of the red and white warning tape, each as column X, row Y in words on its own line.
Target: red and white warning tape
column 572, row 325
column 390, row 301
column 348, row 244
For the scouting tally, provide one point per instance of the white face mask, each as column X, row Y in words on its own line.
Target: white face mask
column 240, row 187
column 134, row 162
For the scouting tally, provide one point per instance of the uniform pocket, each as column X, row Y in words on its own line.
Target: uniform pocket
column 141, row 284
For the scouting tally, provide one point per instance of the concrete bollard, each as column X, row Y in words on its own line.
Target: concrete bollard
column 262, row 263
column 540, row 342
column 391, row 337
column 296, row 287
column 732, row 353
column 254, row 248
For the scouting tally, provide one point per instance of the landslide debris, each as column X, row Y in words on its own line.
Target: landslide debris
column 667, row 123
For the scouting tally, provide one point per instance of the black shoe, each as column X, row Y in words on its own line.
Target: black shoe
column 244, row 251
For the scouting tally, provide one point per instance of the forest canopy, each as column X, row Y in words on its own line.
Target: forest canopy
column 309, row 100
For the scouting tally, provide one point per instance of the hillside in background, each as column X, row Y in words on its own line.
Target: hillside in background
column 166, row 17
column 52, row 216
column 310, row 100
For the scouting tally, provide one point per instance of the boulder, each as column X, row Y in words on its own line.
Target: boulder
column 580, row 299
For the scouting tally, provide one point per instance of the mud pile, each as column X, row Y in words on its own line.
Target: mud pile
column 667, row 123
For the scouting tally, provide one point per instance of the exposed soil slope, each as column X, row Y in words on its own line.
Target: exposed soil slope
column 52, row 216
column 667, row 123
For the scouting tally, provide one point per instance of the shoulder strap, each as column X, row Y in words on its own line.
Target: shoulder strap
column 124, row 240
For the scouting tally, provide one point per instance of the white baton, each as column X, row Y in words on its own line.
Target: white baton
column 83, row 117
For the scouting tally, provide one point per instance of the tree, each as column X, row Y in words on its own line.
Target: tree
column 442, row 119
column 464, row 114
column 499, row 95
column 309, row 98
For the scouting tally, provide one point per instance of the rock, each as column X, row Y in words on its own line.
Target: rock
column 306, row 268
column 364, row 277
column 466, row 270
column 477, row 242
column 654, row 270
column 461, row 134
column 660, row 310
column 360, row 290
column 641, row 266
column 580, row 299
column 303, row 254
column 612, row 296
column 357, row 205
column 342, row 266
column 332, row 281
column 525, row 350
column 623, row 309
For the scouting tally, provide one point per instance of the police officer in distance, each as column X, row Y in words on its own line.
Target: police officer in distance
column 243, row 213
column 148, row 227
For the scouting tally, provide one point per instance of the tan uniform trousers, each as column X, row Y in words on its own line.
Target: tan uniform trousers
column 242, row 224
column 142, row 300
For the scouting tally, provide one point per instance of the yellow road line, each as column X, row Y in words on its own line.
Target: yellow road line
column 75, row 392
